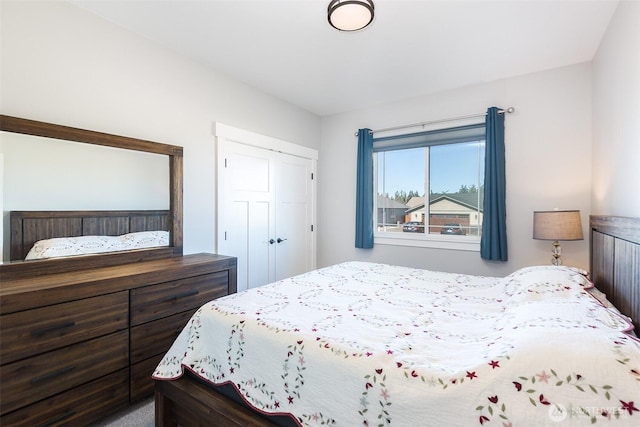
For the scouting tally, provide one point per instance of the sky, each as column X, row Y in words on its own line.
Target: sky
column 451, row 167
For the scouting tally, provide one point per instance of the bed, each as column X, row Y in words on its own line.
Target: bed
column 373, row 344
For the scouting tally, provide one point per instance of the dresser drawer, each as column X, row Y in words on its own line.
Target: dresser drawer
column 142, row 385
column 47, row 328
column 156, row 301
column 78, row 406
column 150, row 339
column 38, row 377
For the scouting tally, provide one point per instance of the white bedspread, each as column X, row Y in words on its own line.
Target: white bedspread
column 371, row 344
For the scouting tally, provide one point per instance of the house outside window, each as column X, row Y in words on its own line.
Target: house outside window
column 429, row 188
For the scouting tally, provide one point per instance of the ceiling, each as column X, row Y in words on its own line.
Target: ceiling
column 412, row 48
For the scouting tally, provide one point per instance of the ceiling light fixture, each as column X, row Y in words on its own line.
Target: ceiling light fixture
column 350, row 15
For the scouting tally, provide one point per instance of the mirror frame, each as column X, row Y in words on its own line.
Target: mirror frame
column 24, row 269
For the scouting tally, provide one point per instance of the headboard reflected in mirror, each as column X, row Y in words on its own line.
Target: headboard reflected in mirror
column 103, row 216
column 53, row 234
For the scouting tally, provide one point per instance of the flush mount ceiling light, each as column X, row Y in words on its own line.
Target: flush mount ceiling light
column 350, row 15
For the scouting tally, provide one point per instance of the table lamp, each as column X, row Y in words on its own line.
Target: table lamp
column 557, row 225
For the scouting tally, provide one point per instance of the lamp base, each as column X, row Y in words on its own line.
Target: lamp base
column 557, row 253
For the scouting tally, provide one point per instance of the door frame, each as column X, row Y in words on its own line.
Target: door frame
column 224, row 132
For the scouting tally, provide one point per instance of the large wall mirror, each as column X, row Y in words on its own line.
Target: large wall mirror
column 52, row 168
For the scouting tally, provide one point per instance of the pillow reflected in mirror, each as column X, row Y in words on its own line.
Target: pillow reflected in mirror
column 84, row 245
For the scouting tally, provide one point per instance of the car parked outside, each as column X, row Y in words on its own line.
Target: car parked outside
column 413, row 227
column 453, row 228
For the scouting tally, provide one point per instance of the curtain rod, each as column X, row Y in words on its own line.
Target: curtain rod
column 451, row 119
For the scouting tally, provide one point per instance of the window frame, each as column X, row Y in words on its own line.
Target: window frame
column 426, row 240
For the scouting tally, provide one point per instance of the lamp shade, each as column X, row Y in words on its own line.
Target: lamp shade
column 350, row 15
column 557, row 225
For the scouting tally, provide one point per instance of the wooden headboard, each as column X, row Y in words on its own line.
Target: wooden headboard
column 615, row 262
column 27, row 227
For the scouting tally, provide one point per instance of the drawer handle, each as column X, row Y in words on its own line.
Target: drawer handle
column 58, row 419
column 46, row 377
column 40, row 332
column 182, row 295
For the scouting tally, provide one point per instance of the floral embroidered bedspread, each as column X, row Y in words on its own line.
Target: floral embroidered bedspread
column 364, row 344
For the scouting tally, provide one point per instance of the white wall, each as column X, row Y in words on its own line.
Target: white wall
column 61, row 64
column 548, row 154
column 616, row 116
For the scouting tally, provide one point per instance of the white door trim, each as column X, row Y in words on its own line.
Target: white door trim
column 220, row 130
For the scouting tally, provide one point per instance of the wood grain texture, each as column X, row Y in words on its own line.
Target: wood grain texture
column 17, row 270
column 154, row 338
column 50, row 130
column 79, row 406
column 626, row 274
column 30, row 380
column 615, row 262
column 188, row 402
column 141, row 385
column 154, row 302
column 601, row 266
column 31, row 332
column 25, row 293
column 625, row 228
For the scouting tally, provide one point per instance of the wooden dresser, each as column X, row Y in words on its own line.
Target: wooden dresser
column 77, row 346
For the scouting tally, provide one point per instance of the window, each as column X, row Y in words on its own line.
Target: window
column 428, row 186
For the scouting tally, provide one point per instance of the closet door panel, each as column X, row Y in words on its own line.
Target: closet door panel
column 247, row 204
column 293, row 215
column 266, row 206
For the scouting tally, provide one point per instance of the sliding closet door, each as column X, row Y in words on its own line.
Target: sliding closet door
column 266, row 212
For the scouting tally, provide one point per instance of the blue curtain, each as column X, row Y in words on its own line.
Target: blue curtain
column 364, row 190
column 493, row 244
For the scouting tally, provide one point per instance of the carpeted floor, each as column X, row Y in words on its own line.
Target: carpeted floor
column 138, row 415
